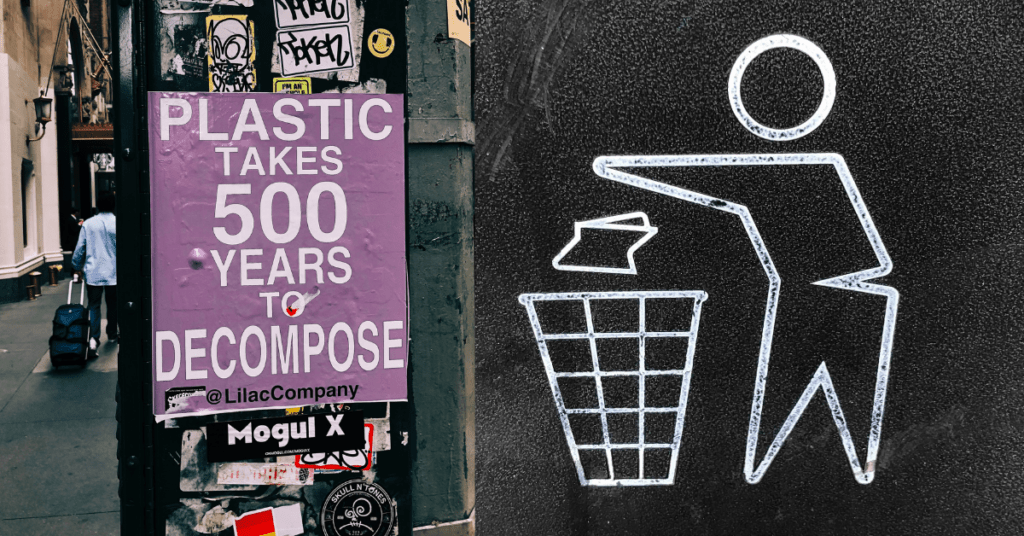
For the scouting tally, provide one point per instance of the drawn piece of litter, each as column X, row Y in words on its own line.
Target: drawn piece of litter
column 280, row 521
column 632, row 222
column 197, row 257
column 263, row 474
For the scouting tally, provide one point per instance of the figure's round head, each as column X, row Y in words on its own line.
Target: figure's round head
column 782, row 41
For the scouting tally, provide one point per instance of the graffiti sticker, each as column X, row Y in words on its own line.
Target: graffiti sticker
column 297, row 13
column 314, row 50
column 345, row 460
column 231, row 53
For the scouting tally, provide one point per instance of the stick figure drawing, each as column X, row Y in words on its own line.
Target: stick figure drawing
column 627, row 170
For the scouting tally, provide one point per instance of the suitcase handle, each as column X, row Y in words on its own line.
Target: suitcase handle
column 81, row 299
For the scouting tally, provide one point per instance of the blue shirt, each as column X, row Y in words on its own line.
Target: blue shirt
column 96, row 252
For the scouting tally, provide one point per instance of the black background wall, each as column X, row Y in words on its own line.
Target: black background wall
column 928, row 117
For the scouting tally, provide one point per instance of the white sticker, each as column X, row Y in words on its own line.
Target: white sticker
column 295, row 13
column 263, row 474
column 314, row 50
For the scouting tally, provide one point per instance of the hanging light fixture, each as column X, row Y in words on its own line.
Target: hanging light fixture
column 43, row 109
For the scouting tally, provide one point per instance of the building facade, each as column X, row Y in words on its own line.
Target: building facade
column 48, row 179
column 29, row 216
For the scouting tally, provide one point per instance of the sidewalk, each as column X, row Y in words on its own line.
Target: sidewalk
column 58, row 465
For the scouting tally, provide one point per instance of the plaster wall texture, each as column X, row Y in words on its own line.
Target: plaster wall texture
column 7, row 243
column 18, row 257
column 22, row 89
column 49, row 204
column 21, row 84
column 29, row 33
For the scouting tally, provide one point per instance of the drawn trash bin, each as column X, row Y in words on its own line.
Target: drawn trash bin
column 604, row 374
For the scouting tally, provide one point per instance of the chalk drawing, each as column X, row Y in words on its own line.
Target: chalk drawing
column 610, row 167
column 760, row 46
column 607, row 167
column 611, row 223
column 598, row 375
column 231, row 53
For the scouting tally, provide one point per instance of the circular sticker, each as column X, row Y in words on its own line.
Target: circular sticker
column 356, row 508
column 381, row 43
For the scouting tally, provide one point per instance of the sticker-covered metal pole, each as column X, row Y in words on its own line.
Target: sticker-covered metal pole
column 440, row 252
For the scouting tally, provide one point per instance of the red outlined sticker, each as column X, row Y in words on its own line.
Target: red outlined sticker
column 348, row 460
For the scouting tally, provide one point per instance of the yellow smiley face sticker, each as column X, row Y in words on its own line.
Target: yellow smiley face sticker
column 381, row 43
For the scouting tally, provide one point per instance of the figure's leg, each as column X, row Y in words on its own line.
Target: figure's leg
column 95, row 295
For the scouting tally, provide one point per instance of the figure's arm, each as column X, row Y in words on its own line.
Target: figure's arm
column 78, row 259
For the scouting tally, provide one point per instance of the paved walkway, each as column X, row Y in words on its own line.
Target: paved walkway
column 58, row 464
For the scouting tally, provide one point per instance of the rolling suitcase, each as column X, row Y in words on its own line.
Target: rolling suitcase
column 69, row 344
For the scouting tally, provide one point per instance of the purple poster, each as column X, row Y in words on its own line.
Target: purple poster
column 278, row 261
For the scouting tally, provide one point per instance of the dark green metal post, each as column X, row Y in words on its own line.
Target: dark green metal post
column 440, row 234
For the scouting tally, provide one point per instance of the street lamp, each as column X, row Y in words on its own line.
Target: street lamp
column 42, row 114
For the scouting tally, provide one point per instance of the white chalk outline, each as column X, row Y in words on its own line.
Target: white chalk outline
column 605, row 167
column 597, row 374
column 760, row 46
column 610, row 222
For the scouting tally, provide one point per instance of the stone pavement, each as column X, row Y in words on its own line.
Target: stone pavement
column 58, row 464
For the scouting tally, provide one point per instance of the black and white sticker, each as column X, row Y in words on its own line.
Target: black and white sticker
column 357, row 508
column 283, row 436
column 176, row 398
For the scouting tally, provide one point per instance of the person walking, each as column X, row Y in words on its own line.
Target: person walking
column 96, row 256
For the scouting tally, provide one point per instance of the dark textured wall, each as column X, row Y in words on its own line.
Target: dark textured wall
column 928, row 117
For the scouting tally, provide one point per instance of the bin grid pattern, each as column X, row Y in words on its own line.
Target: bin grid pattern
column 641, row 335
